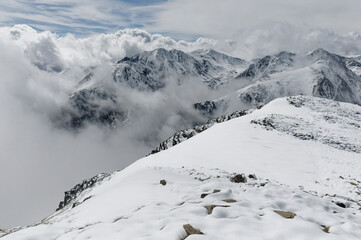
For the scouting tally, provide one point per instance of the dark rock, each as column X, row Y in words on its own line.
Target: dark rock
column 203, row 195
column 216, row 191
column 267, row 122
column 288, row 214
column 163, row 182
column 340, row 204
column 252, row 176
column 207, row 108
column 78, row 203
column 211, row 207
column 326, row 229
column 75, row 204
column 92, row 105
column 229, row 201
column 191, row 230
column 239, row 178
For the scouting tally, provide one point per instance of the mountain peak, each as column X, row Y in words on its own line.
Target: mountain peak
column 321, row 53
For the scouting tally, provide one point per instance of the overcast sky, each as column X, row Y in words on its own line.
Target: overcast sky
column 38, row 163
column 180, row 18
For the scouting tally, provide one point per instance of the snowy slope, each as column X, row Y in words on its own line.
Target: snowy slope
column 304, row 152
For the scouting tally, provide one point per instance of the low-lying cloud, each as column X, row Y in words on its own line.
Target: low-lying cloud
column 38, row 72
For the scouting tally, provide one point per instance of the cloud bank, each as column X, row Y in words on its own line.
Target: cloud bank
column 38, row 72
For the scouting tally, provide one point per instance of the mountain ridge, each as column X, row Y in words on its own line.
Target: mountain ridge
column 193, row 182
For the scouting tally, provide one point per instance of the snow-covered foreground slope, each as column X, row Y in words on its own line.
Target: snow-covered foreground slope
column 304, row 152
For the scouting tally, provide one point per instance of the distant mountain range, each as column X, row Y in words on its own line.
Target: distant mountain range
column 247, row 84
column 319, row 73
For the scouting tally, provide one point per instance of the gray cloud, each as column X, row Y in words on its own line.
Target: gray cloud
column 224, row 19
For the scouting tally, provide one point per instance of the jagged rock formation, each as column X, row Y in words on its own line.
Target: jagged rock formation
column 93, row 105
column 73, row 193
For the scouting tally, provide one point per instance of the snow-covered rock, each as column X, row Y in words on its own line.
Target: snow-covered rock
column 305, row 187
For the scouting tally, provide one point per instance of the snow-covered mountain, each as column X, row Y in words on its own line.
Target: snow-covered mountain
column 288, row 170
column 96, row 101
column 152, row 70
column 319, row 73
column 239, row 85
